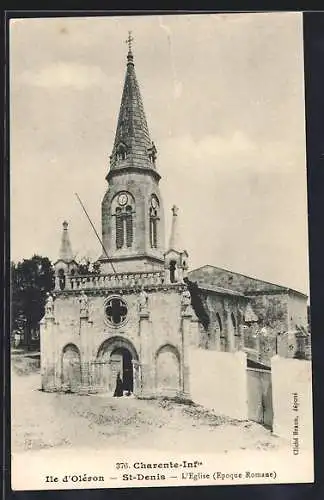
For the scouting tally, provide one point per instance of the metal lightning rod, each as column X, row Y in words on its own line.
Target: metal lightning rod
column 101, row 243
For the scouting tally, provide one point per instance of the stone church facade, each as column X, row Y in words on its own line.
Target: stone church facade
column 140, row 313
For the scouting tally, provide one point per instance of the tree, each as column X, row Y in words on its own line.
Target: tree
column 31, row 279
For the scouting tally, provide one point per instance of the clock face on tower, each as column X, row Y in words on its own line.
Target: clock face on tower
column 122, row 199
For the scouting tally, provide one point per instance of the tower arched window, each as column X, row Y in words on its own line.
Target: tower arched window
column 123, row 210
column 121, row 152
column 154, row 220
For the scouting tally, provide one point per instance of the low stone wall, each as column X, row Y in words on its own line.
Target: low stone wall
column 292, row 401
column 218, row 381
column 24, row 364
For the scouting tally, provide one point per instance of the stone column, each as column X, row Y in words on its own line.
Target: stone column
column 68, row 282
column 240, row 339
column 48, row 353
column 217, row 338
column 166, row 273
column 137, row 378
column 85, row 332
column 229, row 330
column 194, row 331
column 57, row 283
column 147, row 371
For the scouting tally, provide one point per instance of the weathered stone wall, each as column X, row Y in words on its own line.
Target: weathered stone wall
column 221, row 334
column 272, row 311
column 160, row 330
column 297, row 310
column 140, row 186
column 142, row 264
column 218, row 381
column 292, row 402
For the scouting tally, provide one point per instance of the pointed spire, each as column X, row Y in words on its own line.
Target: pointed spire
column 175, row 238
column 65, row 249
column 133, row 146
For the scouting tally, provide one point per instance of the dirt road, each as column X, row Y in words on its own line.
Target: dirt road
column 42, row 420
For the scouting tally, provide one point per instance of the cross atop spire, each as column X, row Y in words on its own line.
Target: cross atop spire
column 129, row 40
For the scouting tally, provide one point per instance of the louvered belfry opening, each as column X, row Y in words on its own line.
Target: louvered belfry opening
column 129, row 226
column 124, row 227
column 119, row 228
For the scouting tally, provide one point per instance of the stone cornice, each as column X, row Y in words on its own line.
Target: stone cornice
column 132, row 169
column 105, row 292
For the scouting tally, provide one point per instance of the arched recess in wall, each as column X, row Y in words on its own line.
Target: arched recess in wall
column 168, row 369
column 71, row 368
column 123, row 211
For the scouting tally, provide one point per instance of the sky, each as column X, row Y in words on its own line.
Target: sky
column 224, row 100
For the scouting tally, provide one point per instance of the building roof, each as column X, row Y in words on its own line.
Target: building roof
column 132, row 146
column 249, row 286
column 217, row 289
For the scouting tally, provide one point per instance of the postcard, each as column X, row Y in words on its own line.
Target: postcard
column 160, row 325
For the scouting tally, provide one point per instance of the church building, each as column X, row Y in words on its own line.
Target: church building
column 137, row 316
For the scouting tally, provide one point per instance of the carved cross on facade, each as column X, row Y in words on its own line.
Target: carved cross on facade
column 129, row 41
column 116, row 311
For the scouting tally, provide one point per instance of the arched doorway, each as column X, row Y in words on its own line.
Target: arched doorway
column 118, row 356
column 71, row 368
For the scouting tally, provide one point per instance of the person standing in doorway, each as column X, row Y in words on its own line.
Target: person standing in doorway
column 119, row 387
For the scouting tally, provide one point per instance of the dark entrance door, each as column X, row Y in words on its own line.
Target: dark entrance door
column 126, row 367
column 260, row 396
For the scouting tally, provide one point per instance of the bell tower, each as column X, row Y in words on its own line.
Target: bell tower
column 132, row 209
